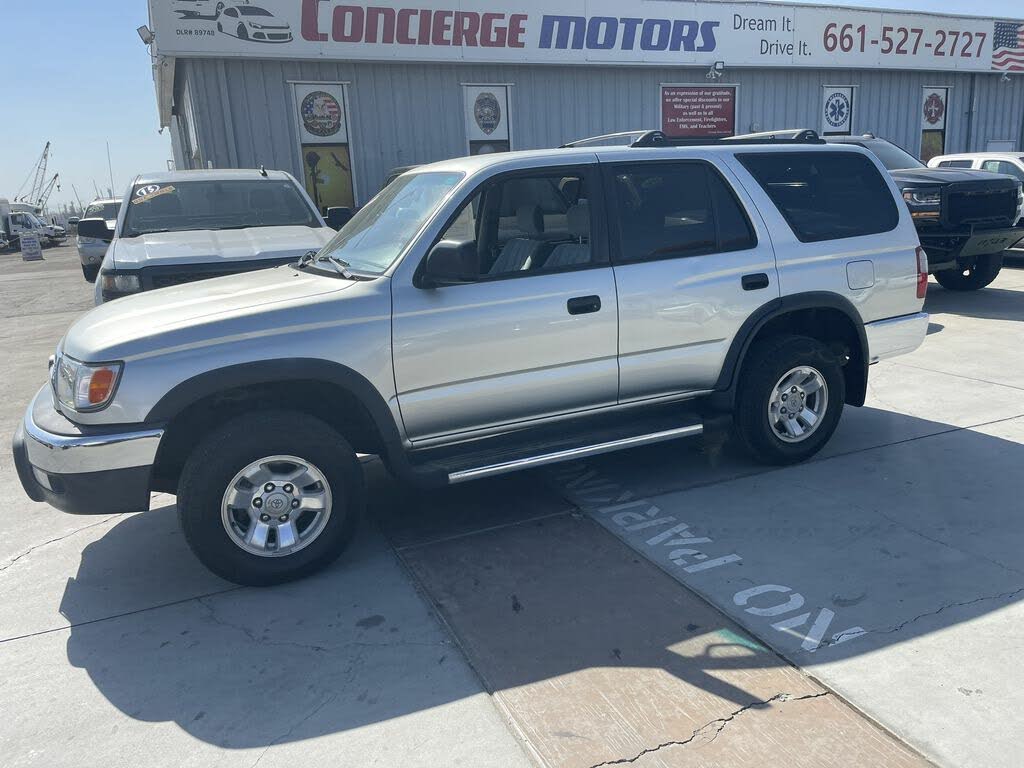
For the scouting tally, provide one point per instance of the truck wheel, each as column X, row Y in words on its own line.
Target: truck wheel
column 270, row 497
column 90, row 271
column 789, row 399
column 984, row 271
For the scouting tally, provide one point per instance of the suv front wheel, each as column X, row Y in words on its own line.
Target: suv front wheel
column 270, row 497
column 790, row 397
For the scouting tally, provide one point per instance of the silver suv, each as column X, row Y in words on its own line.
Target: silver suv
column 480, row 316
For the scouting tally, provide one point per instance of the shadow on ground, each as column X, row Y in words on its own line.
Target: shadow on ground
column 532, row 588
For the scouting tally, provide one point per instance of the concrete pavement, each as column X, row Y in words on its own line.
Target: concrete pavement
column 530, row 620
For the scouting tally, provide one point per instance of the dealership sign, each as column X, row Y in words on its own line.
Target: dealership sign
column 586, row 31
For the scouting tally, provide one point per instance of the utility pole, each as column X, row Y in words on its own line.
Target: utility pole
column 110, row 170
column 81, row 208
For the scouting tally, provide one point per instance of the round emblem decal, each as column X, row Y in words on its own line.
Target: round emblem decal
column 837, row 110
column 321, row 114
column 933, row 108
column 487, row 112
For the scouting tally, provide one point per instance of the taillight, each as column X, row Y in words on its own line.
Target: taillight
column 922, row 273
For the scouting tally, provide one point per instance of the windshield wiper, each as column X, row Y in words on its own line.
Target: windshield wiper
column 341, row 266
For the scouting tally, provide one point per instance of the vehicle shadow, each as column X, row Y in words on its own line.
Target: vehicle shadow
column 988, row 303
column 355, row 645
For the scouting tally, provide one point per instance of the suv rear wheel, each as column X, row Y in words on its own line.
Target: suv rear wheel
column 790, row 397
column 984, row 271
column 270, row 497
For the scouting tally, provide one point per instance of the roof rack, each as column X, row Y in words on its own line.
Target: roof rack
column 649, row 138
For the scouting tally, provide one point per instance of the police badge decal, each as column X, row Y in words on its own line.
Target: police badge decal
column 487, row 112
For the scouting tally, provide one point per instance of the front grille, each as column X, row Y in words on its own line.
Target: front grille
column 986, row 206
column 168, row 276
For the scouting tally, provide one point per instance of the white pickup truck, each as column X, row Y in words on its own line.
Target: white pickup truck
column 16, row 218
column 182, row 226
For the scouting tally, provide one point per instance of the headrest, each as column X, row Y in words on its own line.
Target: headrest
column 530, row 219
column 578, row 219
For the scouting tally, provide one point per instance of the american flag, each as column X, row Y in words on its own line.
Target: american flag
column 1008, row 47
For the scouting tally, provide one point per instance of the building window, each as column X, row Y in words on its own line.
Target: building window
column 322, row 113
column 934, row 105
column 488, row 119
column 837, row 110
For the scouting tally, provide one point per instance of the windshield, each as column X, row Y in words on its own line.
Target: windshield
column 893, row 158
column 249, row 10
column 179, row 206
column 106, row 211
column 375, row 236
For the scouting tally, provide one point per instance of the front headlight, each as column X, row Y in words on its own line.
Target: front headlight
column 119, row 284
column 84, row 387
column 922, row 196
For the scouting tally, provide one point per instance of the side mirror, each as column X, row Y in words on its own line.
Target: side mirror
column 338, row 217
column 96, row 228
column 450, row 262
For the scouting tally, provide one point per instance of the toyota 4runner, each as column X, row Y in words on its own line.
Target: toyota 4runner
column 480, row 316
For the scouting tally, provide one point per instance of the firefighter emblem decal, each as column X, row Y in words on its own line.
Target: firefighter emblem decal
column 934, row 108
column 487, row 112
column 321, row 114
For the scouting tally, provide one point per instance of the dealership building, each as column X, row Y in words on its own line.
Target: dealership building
column 341, row 93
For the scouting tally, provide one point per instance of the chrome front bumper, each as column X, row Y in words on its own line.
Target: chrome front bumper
column 83, row 470
column 896, row 335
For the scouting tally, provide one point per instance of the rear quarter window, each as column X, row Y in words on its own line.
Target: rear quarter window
column 825, row 195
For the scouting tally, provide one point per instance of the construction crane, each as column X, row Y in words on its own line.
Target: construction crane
column 47, row 190
column 38, row 178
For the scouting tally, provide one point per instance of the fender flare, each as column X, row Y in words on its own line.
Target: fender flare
column 783, row 305
column 283, row 370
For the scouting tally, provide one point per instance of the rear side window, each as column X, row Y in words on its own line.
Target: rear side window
column 955, row 164
column 672, row 210
column 825, row 195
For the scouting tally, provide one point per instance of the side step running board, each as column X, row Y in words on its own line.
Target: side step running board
column 570, row 454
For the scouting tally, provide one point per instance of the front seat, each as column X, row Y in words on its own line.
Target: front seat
column 578, row 251
column 519, row 252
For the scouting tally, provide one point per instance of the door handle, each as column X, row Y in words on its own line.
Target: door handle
column 583, row 305
column 754, row 282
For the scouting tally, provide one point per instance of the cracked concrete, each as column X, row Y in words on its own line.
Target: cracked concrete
column 715, row 727
column 69, row 534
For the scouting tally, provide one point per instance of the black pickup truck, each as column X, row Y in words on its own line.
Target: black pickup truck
column 965, row 218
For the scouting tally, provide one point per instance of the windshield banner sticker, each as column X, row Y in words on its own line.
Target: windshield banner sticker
column 147, row 193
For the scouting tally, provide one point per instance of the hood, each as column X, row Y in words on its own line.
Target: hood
column 941, row 176
column 207, row 246
column 138, row 324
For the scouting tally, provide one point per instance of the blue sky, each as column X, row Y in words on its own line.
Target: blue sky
column 83, row 78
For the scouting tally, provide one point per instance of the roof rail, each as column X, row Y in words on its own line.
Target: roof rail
column 641, row 138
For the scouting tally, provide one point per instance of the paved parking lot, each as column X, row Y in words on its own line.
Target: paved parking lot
column 674, row 605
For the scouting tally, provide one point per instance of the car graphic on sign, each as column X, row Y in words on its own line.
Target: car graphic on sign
column 250, row 22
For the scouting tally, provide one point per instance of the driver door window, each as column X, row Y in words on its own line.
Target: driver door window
column 527, row 225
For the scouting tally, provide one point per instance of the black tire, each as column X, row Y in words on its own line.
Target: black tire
column 763, row 368
column 984, row 271
column 90, row 271
column 223, row 453
column 243, row 33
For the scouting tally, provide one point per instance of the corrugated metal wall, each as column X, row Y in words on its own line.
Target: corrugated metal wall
column 402, row 114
